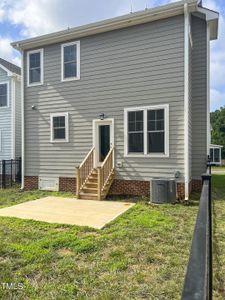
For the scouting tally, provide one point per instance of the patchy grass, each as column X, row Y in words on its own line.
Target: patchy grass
column 14, row 196
column 141, row 255
column 219, row 236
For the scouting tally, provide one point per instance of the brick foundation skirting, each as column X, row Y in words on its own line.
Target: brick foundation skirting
column 180, row 191
column 130, row 187
column 67, row 184
column 30, row 183
column 196, row 185
column 119, row 187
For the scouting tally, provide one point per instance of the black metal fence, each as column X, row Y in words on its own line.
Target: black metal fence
column 198, row 280
column 10, row 173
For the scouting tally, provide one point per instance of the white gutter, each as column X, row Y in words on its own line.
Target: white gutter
column 22, row 122
column 186, row 101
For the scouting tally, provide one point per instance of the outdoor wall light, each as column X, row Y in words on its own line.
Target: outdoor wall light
column 177, row 174
column 33, row 107
column 101, row 116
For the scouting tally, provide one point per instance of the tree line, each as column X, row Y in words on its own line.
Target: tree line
column 218, row 128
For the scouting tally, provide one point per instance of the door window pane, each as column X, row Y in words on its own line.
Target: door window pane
column 104, row 139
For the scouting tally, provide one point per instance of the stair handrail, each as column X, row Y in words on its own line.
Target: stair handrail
column 84, row 169
column 105, row 170
column 107, row 156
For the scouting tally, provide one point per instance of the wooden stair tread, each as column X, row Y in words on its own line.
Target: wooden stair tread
column 89, row 188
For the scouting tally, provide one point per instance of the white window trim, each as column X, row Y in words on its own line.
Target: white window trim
column 7, row 83
column 77, row 43
column 66, row 140
column 41, row 51
column 166, row 136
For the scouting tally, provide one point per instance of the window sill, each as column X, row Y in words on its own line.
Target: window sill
column 70, row 79
column 58, row 141
column 34, row 84
column 146, row 155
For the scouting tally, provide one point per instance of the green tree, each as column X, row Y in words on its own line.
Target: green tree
column 218, row 128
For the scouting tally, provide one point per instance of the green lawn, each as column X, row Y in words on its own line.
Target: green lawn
column 141, row 255
column 219, row 235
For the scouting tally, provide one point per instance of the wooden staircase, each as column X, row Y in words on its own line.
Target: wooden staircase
column 94, row 183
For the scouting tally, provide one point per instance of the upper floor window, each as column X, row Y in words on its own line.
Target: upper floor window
column 35, row 67
column 4, row 94
column 147, row 130
column 70, row 56
column 59, row 127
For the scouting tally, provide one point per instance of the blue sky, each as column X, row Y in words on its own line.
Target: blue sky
column 20, row 19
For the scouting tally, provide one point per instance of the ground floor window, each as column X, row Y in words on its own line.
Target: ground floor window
column 59, row 127
column 147, row 130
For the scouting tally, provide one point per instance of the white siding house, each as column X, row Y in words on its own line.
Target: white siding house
column 10, row 110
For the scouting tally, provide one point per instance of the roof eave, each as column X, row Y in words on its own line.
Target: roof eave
column 212, row 18
column 9, row 73
column 107, row 25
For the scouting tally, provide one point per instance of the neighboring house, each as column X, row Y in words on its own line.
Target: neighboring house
column 136, row 88
column 10, row 110
column 215, row 154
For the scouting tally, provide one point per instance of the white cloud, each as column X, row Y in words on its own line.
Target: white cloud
column 44, row 16
column 7, row 52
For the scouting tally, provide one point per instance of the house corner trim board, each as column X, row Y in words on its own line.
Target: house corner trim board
column 186, row 100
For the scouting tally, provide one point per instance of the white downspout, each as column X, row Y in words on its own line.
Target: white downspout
column 186, row 101
column 22, row 122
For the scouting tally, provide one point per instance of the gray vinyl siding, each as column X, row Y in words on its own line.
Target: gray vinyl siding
column 17, row 118
column 136, row 66
column 199, row 96
column 5, row 122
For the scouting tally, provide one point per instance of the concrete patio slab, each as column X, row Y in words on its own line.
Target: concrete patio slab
column 71, row 211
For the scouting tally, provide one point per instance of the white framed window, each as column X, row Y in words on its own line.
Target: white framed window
column 35, row 67
column 146, row 131
column 59, row 127
column 70, row 61
column 4, row 94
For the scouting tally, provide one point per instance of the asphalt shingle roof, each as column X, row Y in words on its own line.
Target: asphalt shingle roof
column 11, row 67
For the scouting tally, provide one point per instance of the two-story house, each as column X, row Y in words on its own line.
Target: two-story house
column 125, row 99
column 10, row 110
